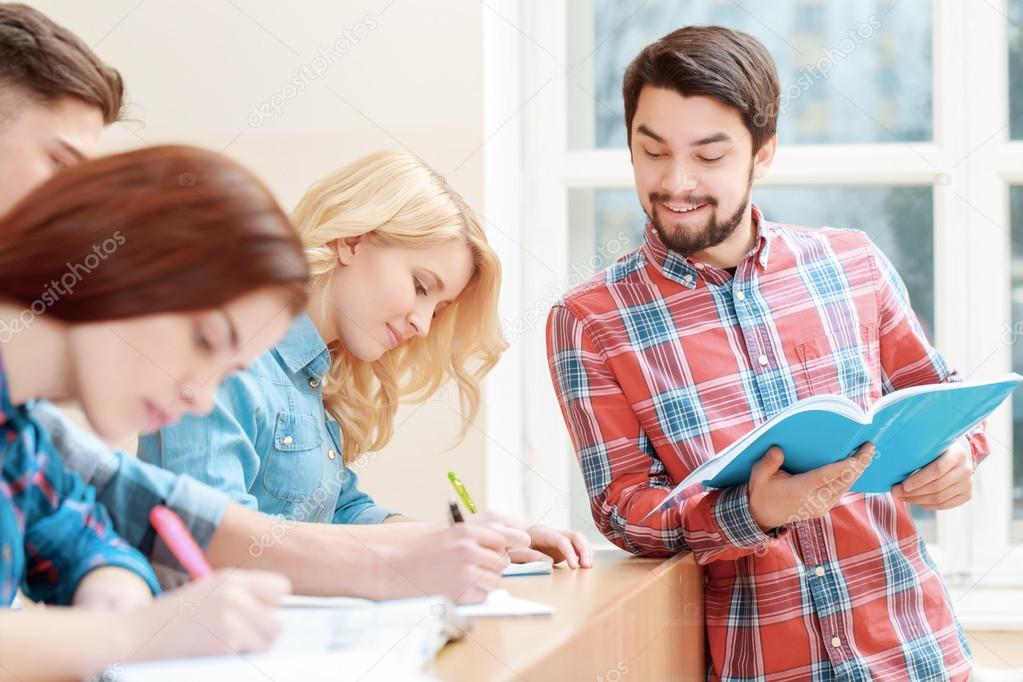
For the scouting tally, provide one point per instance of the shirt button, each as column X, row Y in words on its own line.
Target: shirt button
column 762, row 360
column 331, row 454
column 688, row 279
column 740, row 296
column 819, row 571
column 288, row 440
column 313, row 383
column 836, row 642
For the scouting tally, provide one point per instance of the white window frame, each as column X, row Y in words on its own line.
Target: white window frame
column 969, row 163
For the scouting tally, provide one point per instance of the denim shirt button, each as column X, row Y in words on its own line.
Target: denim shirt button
column 313, row 383
column 331, row 454
column 288, row 440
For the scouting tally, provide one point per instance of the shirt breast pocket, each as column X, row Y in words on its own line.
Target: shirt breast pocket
column 844, row 368
column 294, row 466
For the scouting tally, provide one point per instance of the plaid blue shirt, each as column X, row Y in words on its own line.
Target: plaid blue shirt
column 52, row 530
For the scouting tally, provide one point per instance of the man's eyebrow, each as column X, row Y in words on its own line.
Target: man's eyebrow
column 716, row 137
column 649, row 133
column 71, row 149
column 710, row 139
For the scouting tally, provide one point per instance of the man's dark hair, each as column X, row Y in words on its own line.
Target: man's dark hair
column 731, row 66
column 44, row 61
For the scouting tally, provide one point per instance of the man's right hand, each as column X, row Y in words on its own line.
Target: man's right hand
column 777, row 498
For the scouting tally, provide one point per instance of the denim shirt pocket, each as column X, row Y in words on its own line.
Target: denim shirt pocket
column 294, row 465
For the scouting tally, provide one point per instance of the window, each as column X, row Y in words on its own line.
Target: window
column 1014, row 334
column 850, row 72
column 898, row 117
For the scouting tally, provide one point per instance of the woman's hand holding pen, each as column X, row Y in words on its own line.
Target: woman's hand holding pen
column 225, row 613
column 515, row 535
column 462, row 561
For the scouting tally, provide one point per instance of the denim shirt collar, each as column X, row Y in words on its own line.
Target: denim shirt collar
column 303, row 349
column 686, row 272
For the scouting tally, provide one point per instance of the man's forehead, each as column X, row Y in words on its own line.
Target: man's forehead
column 70, row 124
column 667, row 116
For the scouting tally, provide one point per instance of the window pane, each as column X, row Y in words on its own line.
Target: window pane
column 850, row 72
column 1015, row 33
column 898, row 219
column 1016, row 216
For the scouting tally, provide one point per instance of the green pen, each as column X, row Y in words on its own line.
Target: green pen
column 459, row 487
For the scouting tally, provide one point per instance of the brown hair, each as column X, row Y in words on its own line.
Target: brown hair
column 45, row 61
column 161, row 229
column 731, row 66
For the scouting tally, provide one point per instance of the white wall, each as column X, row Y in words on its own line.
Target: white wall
column 405, row 74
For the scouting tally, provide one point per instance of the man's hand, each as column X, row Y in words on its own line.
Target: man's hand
column 777, row 498
column 945, row 483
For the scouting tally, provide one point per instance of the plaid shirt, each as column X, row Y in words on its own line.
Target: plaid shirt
column 52, row 531
column 661, row 362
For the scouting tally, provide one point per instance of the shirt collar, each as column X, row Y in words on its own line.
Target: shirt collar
column 302, row 348
column 681, row 269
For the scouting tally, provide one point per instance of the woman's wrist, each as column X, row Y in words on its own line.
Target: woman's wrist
column 112, row 587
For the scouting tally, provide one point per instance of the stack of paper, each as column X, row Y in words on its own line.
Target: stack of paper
column 330, row 639
column 501, row 603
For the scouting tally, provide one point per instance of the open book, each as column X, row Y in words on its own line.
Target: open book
column 909, row 428
column 328, row 638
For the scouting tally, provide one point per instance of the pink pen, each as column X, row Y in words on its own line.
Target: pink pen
column 182, row 545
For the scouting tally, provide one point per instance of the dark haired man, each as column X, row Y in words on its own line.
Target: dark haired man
column 720, row 320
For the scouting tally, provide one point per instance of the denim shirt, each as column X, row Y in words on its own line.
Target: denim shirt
column 269, row 443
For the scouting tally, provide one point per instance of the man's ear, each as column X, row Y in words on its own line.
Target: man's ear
column 346, row 249
column 763, row 159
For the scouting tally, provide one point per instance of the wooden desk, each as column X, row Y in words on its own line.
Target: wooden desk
column 623, row 619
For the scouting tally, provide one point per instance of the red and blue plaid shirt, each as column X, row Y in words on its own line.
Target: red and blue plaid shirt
column 52, row 530
column 661, row 362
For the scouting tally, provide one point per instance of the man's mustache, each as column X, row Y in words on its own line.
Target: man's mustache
column 688, row 200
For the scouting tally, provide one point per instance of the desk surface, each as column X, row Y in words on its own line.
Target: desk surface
column 625, row 616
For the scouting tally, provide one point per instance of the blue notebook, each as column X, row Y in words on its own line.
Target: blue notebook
column 909, row 428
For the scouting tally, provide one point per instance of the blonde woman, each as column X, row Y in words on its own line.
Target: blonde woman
column 403, row 299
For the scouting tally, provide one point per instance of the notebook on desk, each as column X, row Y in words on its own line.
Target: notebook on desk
column 528, row 568
column 321, row 637
column 499, row 603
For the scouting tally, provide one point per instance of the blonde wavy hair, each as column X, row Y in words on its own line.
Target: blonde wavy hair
column 394, row 199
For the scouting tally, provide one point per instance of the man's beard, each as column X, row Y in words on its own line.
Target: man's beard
column 691, row 240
